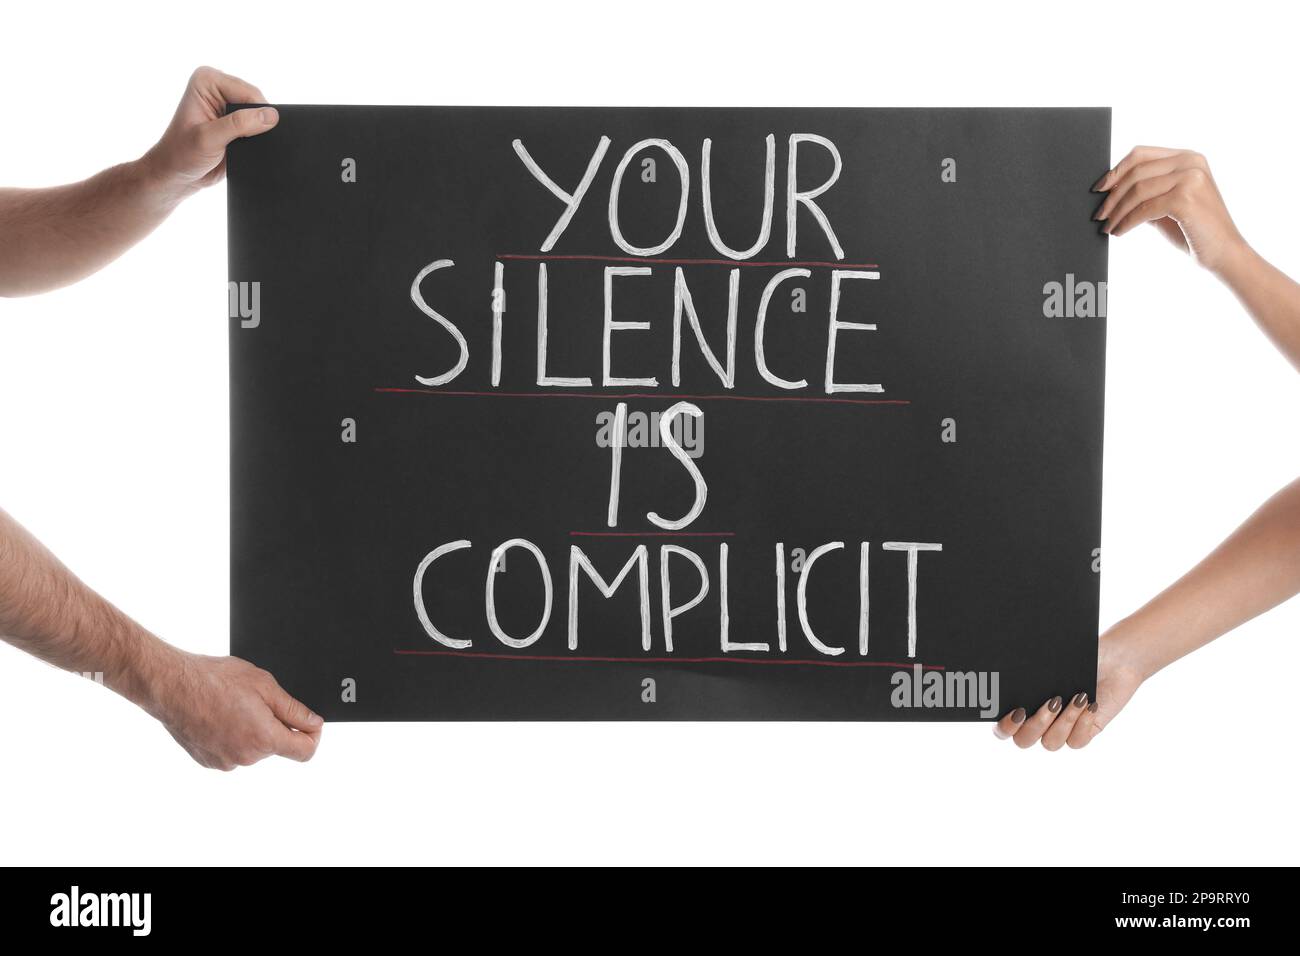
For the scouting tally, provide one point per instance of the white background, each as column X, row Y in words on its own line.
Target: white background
column 113, row 450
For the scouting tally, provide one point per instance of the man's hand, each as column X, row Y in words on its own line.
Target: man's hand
column 58, row 235
column 223, row 710
column 192, row 152
column 1174, row 189
column 1058, row 723
column 227, row 713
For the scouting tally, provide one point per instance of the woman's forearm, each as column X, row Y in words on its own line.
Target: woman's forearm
column 1270, row 296
column 1256, row 568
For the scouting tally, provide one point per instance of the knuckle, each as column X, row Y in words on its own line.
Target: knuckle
column 198, row 139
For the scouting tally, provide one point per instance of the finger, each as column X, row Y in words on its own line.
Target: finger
column 1160, row 207
column 1009, row 724
column 1059, row 732
column 1140, row 192
column 295, row 745
column 236, row 90
column 1032, row 729
column 231, row 89
column 293, row 712
column 1139, row 154
column 1085, row 728
column 216, row 134
column 1145, row 171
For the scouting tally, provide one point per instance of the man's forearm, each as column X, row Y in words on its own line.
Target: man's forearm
column 52, row 237
column 1256, row 568
column 47, row 611
column 1270, row 296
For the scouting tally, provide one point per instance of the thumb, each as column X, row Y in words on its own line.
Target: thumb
column 216, row 134
column 293, row 712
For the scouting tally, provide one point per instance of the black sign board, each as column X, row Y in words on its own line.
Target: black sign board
column 668, row 413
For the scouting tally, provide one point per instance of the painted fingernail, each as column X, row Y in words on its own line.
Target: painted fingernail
column 1097, row 216
column 1080, row 700
column 1099, row 184
column 1092, row 708
column 1106, row 228
column 1018, row 716
column 1054, row 705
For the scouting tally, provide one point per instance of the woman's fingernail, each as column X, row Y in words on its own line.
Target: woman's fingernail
column 315, row 720
column 268, row 115
column 1054, row 704
column 1080, row 700
column 1018, row 715
column 1097, row 216
column 1106, row 228
column 1098, row 186
column 1092, row 708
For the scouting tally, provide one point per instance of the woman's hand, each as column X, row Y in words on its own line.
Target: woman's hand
column 1074, row 723
column 1174, row 189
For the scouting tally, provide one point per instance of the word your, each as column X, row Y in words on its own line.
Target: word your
column 639, row 562
column 102, row 909
column 794, row 195
column 642, row 430
column 950, row 690
column 1069, row 300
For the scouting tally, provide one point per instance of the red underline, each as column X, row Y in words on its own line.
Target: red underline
column 606, row 396
column 660, row 660
column 653, row 534
column 693, row 262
